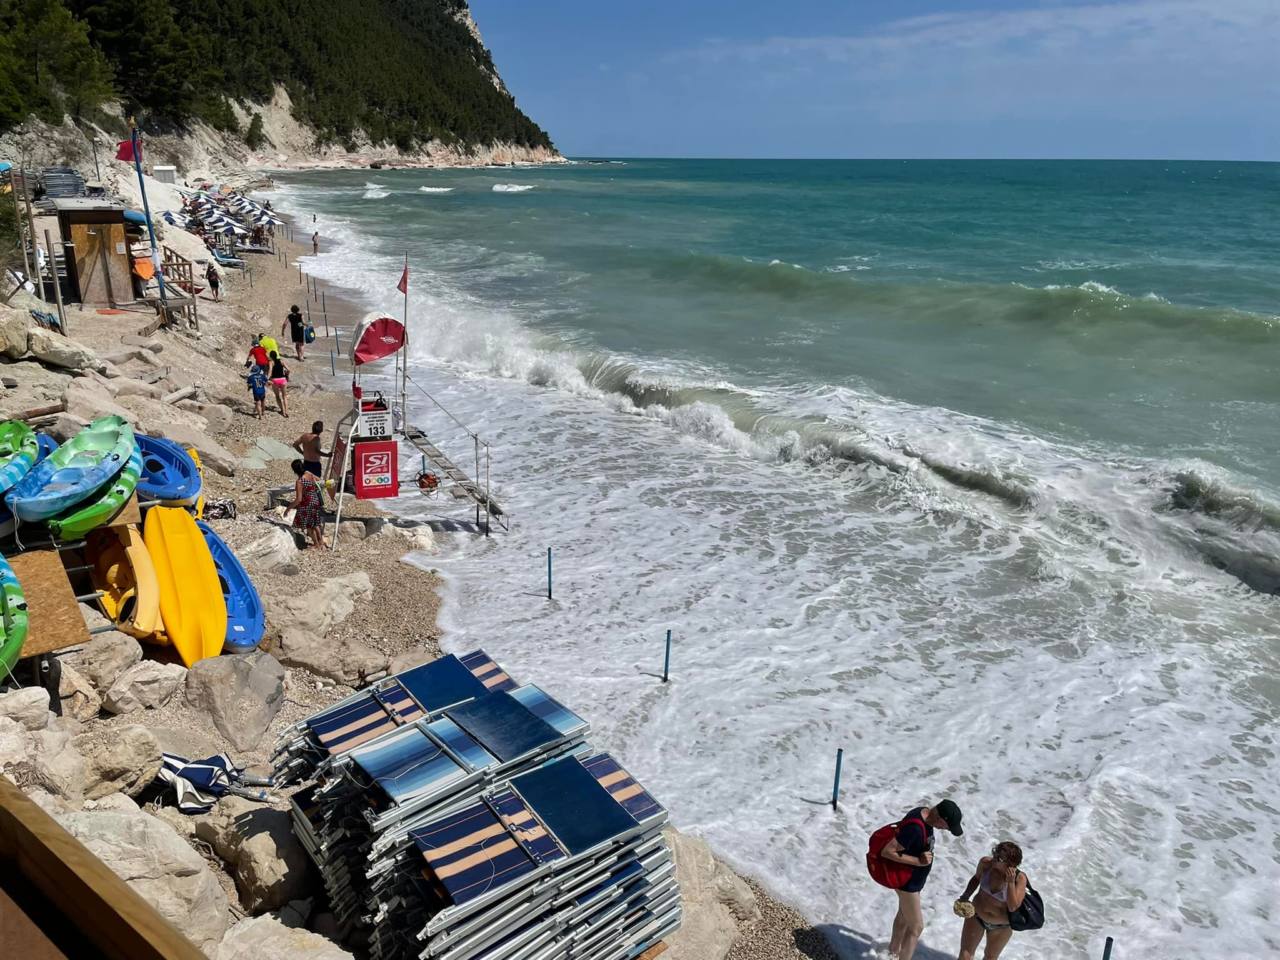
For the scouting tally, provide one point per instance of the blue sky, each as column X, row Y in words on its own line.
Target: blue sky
column 874, row 78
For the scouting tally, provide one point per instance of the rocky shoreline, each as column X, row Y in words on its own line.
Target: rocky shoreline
column 235, row 880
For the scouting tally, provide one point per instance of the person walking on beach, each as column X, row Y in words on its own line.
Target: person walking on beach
column 280, row 382
column 268, row 343
column 310, row 445
column 257, row 357
column 297, row 330
column 257, row 380
column 315, row 243
column 215, row 281
column 309, row 515
column 1001, row 887
column 911, row 845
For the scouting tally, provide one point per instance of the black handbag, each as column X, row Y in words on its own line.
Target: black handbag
column 1030, row 914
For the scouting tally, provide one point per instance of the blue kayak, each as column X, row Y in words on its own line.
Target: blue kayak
column 246, row 621
column 168, row 473
column 74, row 471
column 45, row 446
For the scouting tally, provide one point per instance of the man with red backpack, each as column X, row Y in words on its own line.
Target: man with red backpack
column 900, row 856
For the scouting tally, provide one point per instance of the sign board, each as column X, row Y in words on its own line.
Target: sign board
column 374, row 423
column 376, row 469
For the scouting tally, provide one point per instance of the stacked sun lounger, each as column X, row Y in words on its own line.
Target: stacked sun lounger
column 481, row 828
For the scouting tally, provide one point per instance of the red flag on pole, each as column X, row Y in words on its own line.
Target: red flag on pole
column 125, row 151
column 403, row 285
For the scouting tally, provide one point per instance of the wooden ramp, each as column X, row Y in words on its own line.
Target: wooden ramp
column 460, row 486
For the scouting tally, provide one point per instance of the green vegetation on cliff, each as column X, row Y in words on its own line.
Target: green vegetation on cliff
column 403, row 71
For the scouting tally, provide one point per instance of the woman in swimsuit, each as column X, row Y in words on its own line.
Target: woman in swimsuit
column 280, row 382
column 1000, row 887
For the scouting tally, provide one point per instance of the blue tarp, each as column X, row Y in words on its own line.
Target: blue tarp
column 135, row 216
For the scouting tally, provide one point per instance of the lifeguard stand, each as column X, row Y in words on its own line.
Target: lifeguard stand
column 365, row 453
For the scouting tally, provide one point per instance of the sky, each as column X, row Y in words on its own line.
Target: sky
column 1186, row 79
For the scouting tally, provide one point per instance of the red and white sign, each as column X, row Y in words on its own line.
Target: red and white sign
column 376, row 467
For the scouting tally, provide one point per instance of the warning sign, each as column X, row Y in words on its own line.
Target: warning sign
column 375, row 465
column 374, row 423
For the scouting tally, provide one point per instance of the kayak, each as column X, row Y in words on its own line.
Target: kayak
column 76, row 470
column 13, row 617
column 246, row 620
column 199, row 505
column 102, row 506
column 191, row 605
column 46, row 445
column 168, row 472
column 121, row 568
column 18, row 452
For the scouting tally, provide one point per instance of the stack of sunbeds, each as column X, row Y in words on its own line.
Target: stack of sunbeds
column 455, row 814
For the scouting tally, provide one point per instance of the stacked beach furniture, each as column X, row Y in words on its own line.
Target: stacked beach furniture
column 456, row 814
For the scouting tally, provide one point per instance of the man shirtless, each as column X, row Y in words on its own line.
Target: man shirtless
column 311, row 448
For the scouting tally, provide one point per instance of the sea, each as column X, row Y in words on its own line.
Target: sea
column 967, row 469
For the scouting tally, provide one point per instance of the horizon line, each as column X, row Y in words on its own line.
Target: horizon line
column 655, row 156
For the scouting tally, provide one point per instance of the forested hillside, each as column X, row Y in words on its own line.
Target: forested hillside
column 401, row 71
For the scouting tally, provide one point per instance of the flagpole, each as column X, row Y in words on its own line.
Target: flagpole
column 146, row 210
column 404, row 368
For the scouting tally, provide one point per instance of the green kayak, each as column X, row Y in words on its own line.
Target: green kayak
column 78, row 472
column 18, row 451
column 13, row 618
column 102, row 506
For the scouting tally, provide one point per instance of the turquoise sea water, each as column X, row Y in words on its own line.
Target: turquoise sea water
column 967, row 467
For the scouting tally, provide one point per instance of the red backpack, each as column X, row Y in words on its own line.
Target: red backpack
column 889, row 873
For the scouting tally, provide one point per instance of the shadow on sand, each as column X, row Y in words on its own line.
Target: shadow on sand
column 828, row 940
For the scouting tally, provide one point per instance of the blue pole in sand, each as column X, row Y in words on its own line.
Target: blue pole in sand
column 835, row 792
column 1106, row 949
column 333, row 366
column 666, row 664
column 548, row 573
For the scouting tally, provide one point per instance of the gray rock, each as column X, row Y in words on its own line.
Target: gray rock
column 127, row 387
column 263, row 937
column 28, row 706
column 76, row 694
column 191, row 744
column 145, row 685
column 344, row 660
column 104, row 658
column 218, row 416
column 13, row 742
column 270, row 866
column 275, row 551
column 89, row 400
column 15, row 326
column 59, row 351
column 304, row 622
column 213, row 455
column 241, row 694
column 715, row 901
column 147, row 343
column 159, row 865
column 349, row 530
column 295, row 913
column 408, row 660
column 56, row 765
column 275, row 449
column 118, row 760
column 65, row 426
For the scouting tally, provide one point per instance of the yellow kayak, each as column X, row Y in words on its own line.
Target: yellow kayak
column 191, row 602
column 122, row 569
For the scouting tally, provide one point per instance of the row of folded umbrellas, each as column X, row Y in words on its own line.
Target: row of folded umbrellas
column 456, row 814
column 234, row 216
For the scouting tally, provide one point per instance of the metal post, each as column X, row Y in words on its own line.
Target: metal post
column 1106, row 949
column 476, row 482
column 333, row 365
column 299, row 274
column 666, row 664
column 835, row 792
column 342, row 485
column 324, row 309
column 22, row 239
column 31, row 231
column 548, row 573
column 57, row 287
column 96, row 169
column 488, row 490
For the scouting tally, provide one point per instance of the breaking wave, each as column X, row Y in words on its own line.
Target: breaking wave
column 435, row 189
column 375, row 191
column 512, row 187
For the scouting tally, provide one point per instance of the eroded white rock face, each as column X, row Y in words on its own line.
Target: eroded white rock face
column 28, row 706
column 714, row 901
column 304, row 623
column 59, row 351
column 148, row 684
column 104, row 658
column 159, row 865
column 120, row 760
column 241, row 694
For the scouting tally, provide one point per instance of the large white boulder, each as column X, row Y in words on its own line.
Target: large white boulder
column 304, row 622
column 104, row 658
column 76, row 694
column 213, row 455
column 28, row 706
column 88, row 399
column 118, row 760
column 159, row 865
column 274, row 552
column 260, row 938
column 241, row 694
column 145, row 685
column 59, row 351
column 270, row 866
column 15, row 326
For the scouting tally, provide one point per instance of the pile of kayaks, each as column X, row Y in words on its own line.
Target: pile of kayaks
column 170, row 580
